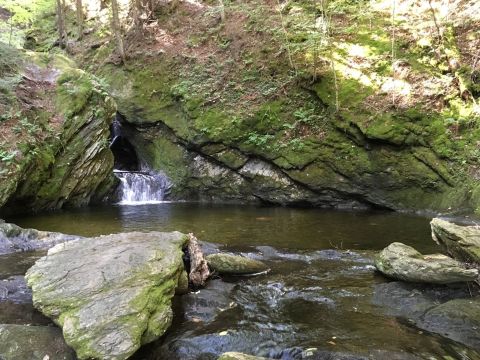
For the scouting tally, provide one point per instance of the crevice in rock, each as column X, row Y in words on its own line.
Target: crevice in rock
column 125, row 156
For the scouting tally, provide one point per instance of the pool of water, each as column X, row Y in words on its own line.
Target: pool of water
column 292, row 228
column 320, row 296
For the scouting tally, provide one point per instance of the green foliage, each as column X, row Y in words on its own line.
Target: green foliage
column 7, row 157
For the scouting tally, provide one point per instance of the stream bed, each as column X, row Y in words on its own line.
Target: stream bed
column 322, row 298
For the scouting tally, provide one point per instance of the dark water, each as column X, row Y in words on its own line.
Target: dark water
column 319, row 297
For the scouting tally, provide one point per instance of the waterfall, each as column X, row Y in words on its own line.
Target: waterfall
column 116, row 131
column 138, row 188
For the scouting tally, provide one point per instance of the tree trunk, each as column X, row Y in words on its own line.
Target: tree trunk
column 199, row 271
column 80, row 18
column 62, row 34
column 137, row 8
column 117, row 30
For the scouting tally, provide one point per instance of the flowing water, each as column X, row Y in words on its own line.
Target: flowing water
column 322, row 295
column 141, row 188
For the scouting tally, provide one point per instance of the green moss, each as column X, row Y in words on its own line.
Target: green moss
column 73, row 93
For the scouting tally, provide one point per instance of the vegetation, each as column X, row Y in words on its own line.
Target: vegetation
column 294, row 82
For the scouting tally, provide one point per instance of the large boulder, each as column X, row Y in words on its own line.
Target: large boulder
column 235, row 264
column 110, row 294
column 461, row 242
column 13, row 238
column 402, row 262
column 20, row 342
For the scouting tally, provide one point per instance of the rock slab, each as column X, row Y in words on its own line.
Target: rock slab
column 235, row 264
column 402, row 262
column 461, row 242
column 13, row 238
column 110, row 294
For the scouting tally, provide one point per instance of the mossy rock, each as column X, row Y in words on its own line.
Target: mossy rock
column 235, row 265
column 115, row 292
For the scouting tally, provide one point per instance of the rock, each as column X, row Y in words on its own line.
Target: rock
column 457, row 319
column 461, row 242
column 13, row 238
column 182, row 287
column 20, row 342
column 239, row 356
column 73, row 164
column 110, row 294
column 402, row 262
column 452, row 312
column 15, row 289
column 235, row 264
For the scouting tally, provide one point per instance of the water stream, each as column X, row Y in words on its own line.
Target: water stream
column 137, row 188
column 322, row 292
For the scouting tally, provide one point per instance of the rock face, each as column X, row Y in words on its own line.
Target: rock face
column 461, row 242
column 402, row 262
column 69, row 162
column 20, row 342
column 110, row 294
column 234, row 264
column 13, row 238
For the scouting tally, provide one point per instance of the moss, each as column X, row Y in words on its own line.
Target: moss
column 73, row 93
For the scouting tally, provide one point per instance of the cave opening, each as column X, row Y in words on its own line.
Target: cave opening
column 125, row 156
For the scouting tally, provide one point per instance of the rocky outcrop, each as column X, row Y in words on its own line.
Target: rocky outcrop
column 66, row 160
column 402, row 262
column 235, row 265
column 20, row 342
column 110, row 294
column 13, row 238
column 461, row 242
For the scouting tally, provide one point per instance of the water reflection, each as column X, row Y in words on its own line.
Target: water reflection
column 245, row 225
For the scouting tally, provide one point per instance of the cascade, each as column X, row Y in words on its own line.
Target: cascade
column 138, row 187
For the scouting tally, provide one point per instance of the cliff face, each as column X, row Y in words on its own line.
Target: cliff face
column 317, row 114
column 55, row 133
column 339, row 104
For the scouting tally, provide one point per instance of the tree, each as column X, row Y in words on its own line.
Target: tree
column 117, row 30
column 79, row 18
column 137, row 14
column 62, row 33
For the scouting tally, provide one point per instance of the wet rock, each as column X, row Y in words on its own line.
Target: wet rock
column 239, row 356
column 461, row 242
column 15, row 289
column 182, row 287
column 402, row 262
column 457, row 319
column 204, row 305
column 234, row 264
column 20, row 342
column 110, row 294
column 453, row 312
column 413, row 300
column 13, row 238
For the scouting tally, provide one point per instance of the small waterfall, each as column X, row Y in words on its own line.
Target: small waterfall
column 141, row 187
column 116, row 130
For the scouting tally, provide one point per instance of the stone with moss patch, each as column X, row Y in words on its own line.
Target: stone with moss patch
column 235, row 264
column 402, row 262
column 110, row 294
